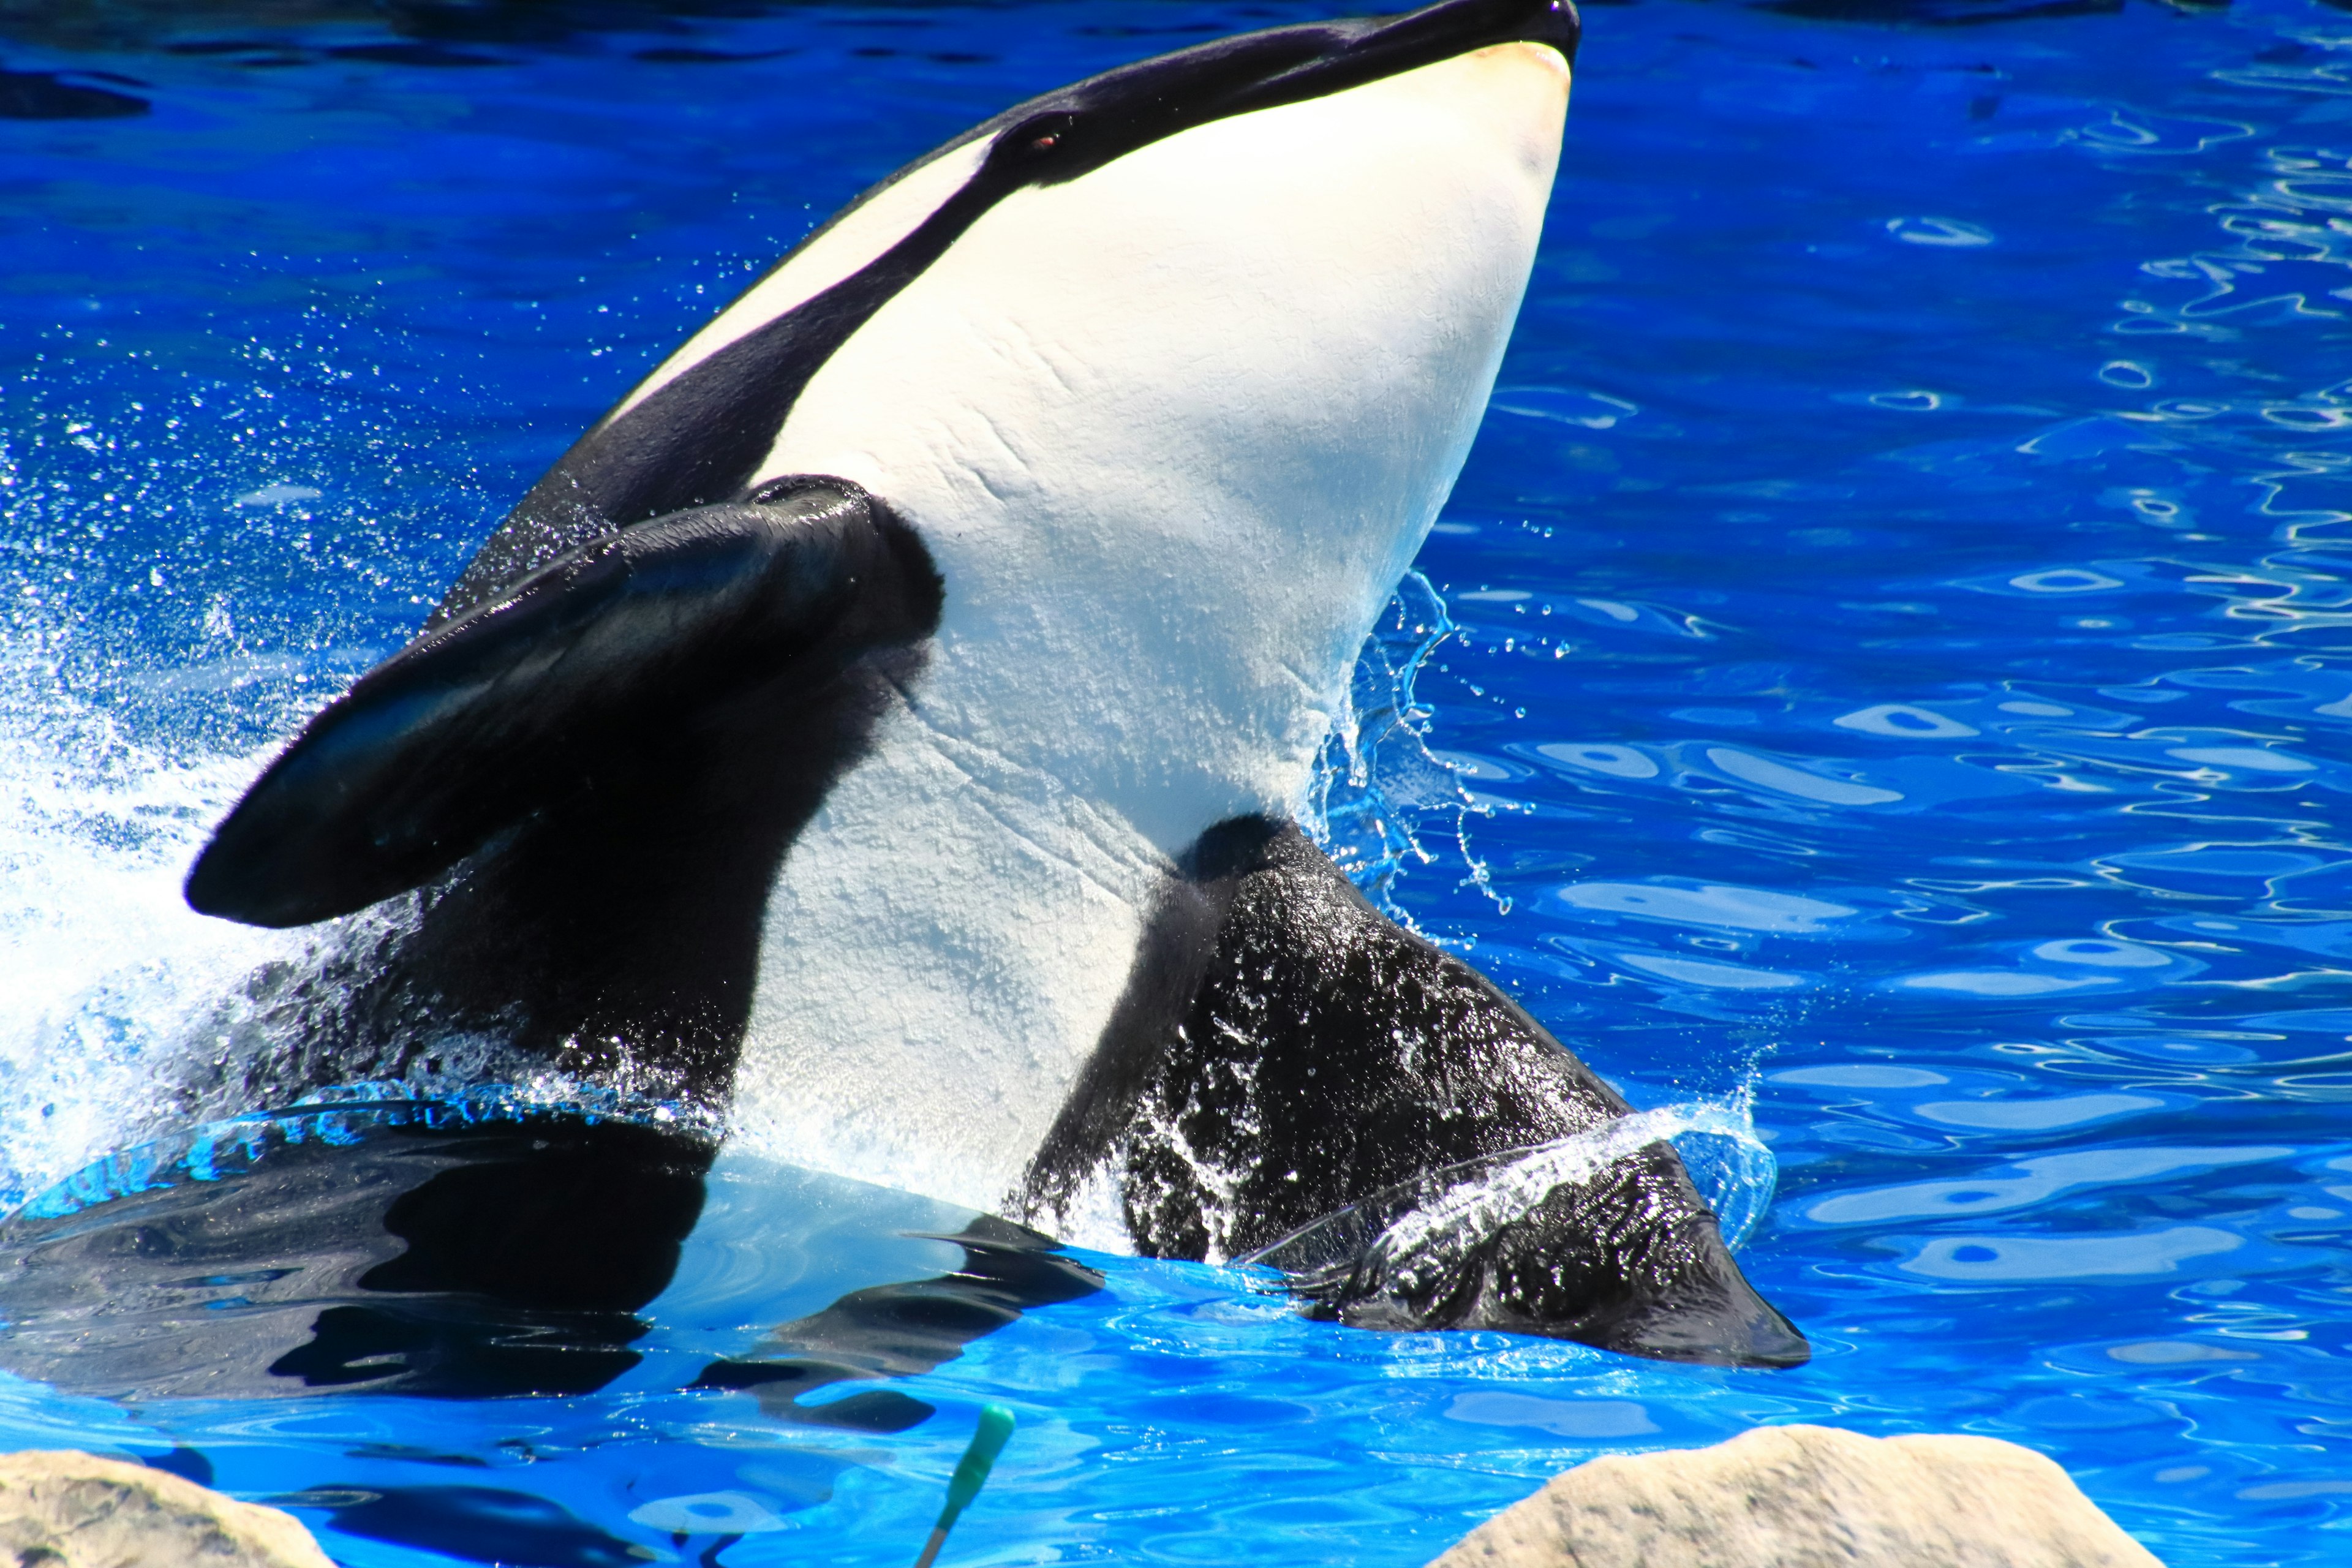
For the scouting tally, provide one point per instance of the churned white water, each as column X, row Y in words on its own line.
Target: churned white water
column 108, row 972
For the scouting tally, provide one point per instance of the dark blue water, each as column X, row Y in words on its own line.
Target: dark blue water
column 1903, row 667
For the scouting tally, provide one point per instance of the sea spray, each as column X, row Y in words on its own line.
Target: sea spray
column 1395, row 1242
column 1379, row 798
column 109, row 973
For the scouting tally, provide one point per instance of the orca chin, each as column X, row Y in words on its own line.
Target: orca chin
column 880, row 729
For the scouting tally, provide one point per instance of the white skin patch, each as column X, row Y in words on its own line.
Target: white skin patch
column 1172, row 431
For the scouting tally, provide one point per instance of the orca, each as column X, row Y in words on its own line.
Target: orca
column 887, row 726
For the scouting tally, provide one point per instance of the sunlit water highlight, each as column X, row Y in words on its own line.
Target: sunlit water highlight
column 1899, row 664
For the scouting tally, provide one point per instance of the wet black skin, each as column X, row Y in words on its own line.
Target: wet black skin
column 1284, row 1051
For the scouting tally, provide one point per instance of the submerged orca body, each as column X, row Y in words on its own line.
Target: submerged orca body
column 886, row 724
column 389, row 1247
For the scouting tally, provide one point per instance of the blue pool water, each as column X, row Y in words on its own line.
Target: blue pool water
column 1899, row 680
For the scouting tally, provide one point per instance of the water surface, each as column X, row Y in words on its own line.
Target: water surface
column 1899, row 671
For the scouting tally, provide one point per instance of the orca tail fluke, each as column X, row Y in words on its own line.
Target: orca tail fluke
column 568, row 682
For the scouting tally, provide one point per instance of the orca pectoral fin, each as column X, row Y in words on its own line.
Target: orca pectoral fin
column 1660, row 1282
column 1294, row 1077
column 1629, row 1259
column 523, row 701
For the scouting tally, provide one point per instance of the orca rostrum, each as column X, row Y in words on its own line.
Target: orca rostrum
column 886, row 726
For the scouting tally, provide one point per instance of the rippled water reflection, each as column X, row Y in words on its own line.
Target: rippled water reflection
column 1901, row 667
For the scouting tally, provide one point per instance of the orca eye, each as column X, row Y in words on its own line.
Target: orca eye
column 1041, row 136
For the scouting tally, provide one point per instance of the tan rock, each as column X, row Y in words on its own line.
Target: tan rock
column 1808, row 1497
column 59, row 1509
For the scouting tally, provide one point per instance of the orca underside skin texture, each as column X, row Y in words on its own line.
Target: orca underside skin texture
column 882, row 729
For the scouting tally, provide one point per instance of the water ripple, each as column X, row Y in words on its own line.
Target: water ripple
column 1891, row 648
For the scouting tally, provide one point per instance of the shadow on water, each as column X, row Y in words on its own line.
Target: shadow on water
column 902, row 1329
column 452, row 1262
column 479, row 1524
column 48, row 95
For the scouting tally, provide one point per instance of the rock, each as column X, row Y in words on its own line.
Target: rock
column 1808, row 1497
column 59, row 1509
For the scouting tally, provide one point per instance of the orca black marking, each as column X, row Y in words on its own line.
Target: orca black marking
column 882, row 725
column 697, row 440
column 549, row 719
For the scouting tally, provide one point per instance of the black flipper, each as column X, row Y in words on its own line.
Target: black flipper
column 526, row 699
column 1285, row 1051
column 598, row 771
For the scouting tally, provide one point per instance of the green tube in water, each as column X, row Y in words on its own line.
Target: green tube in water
column 971, row 1474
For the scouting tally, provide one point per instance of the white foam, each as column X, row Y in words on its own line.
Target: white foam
column 1454, row 1223
column 108, row 971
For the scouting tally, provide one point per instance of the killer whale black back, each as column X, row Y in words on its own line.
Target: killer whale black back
column 587, row 774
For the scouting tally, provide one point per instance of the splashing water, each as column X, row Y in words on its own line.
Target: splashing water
column 339, row 1117
column 1398, row 1234
column 1380, row 795
column 108, row 974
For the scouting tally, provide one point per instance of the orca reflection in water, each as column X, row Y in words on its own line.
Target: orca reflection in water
column 886, row 723
column 400, row 1250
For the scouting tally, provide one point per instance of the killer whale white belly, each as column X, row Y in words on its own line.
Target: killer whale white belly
column 903, row 1030
column 1122, row 662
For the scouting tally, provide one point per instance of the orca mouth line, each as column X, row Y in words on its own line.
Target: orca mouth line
column 1066, row 133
